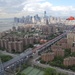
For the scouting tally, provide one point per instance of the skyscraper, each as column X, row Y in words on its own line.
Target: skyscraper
column 44, row 14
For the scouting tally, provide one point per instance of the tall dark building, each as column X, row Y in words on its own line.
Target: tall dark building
column 44, row 14
column 46, row 18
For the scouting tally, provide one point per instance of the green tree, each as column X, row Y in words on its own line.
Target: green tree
column 31, row 46
column 5, row 58
column 19, row 73
column 67, row 52
column 50, row 71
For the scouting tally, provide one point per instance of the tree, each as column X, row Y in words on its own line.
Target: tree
column 23, row 74
column 50, row 71
column 5, row 58
column 67, row 52
column 31, row 46
column 19, row 73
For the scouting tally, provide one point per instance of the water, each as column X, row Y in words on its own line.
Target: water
column 6, row 24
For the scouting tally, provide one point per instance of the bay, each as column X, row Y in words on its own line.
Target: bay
column 6, row 24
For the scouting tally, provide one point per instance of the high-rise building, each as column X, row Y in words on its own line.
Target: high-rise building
column 14, row 28
column 20, row 46
column 16, row 46
column 2, row 43
column 58, row 52
column 47, row 57
column 70, row 61
column 44, row 14
column 70, row 38
column 73, row 49
column 10, row 46
column 6, row 44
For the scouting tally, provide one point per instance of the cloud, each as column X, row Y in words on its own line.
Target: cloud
column 11, row 8
column 63, row 8
column 37, row 7
column 50, row 8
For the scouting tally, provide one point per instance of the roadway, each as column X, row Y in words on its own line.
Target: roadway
column 6, row 53
column 56, row 68
column 49, row 43
column 15, row 60
column 37, row 63
column 27, row 54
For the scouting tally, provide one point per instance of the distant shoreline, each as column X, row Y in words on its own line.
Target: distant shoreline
column 6, row 24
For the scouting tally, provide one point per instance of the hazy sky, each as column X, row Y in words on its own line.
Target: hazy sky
column 18, row 8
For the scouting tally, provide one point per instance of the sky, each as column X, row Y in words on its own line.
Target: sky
column 19, row 8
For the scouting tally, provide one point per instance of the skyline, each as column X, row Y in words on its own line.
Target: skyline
column 18, row 8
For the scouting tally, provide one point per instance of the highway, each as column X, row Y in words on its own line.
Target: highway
column 49, row 43
column 27, row 54
column 17, row 59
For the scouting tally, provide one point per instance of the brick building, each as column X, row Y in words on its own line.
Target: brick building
column 53, row 47
column 64, row 45
column 47, row 57
column 10, row 46
column 6, row 44
column 58, row 52
column 72, row 49
column 15, row 46
column 70, row 61
column 70, row 39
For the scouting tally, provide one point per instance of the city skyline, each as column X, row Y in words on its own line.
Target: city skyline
column 18, row 8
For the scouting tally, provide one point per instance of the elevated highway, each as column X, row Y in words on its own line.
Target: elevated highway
column 25, row 56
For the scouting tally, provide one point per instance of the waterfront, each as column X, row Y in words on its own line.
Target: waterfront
column 6, row 24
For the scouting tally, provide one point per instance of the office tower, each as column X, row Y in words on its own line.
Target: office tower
column 44, row 14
